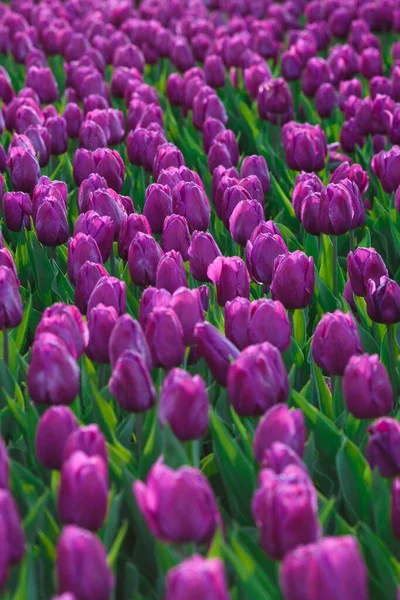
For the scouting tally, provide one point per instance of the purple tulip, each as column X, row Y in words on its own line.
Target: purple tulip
column 383, row 446
column 244, row 219
column 230, row 277
column 131, row 382
column 143, row 258
column 202, row 252
column 214, row 71
column 11, row 525
column 130, row 227
column 257, row 380
column 237, row 321
column 109, row 291
column 17, row 210
column 354, row 173
column 280, row 424
column 194, row 518
column 167, row 155
column 366, row 387
column 73, row 116
column 316, row 73
column 82, row 565
column 152, row 297
column 362, row 265
column 10, row 299
column 197, row 578
column 128, row 335
column 383, row 301
column 81, row 248
column 54, row 428
column 305, row 146
column 157, row 206
column 261, row 255
column 171, row 273
column 386, row 167
column 164, row 336
column 285, row 509
column 216, row 349
column 106, row 202
column 279, row 456
column 190, row 201
column 335, row 341
column 53, row 374
column 57, row 127
column 175, row 89
column 24, row 169
column 176, row 236
column 325, row 100
column 88, row 275
column 88, row 440
column 308, row 572
column 275, row 102
column 268, row 322
column 100, row 228
column 67, row 324
column 101, row 322
column 293, row 280
column 189, row 310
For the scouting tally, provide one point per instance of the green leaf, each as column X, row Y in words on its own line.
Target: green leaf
column 355, row 481
column 117, row 545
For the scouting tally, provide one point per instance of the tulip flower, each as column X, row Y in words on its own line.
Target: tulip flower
column 101, row 322
column 279, row 456
column 88, row 275
column 285, row 510
column 67, row 324
column 293, row 280
column 194, row 518
column 82, row 567
column 335, row 341
column 11, row 521
column 197, row 578
column 280, row 424
column 362, row 265
column 230, row 277
column 127, row 334
column 244, row 219
column 131, row 382
column 304, row 574
column 55, row 426
column 202, row 252
column 88, row 440
column 366, row 387
column 157, row 206
column 184, row 405
column 305, row 146
column 164, row 336
column 217, row 350
column 171, row 274
column 190, row 201
column 382, row 448
column 24, row 169
column 100, row 228
column 109, row 291
column 275, row 102
column 143, row 258
column 17, row 210
column 10, row 299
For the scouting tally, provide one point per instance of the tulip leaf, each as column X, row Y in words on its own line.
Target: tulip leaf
column 355, row 481
column 323, row 393
column 117, row 545
column 19, row 334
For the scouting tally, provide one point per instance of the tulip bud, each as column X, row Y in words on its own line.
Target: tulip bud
column 82, row 565
column 167, row 155
column 57, row 127
column 130, row 227
column 100, row 228
column 109, row 291
column 81, row 248
column 11, row 522
column 293, row 280
column 164, row 336
column 17, row 210
column 102, row 320
column 151, row 298
column 189, row 310
column 261, row 255
column 91, row 136
column 190, row 201
column 371, row 63
column 73, row 116
column 131, row 382
column 128, row 335
column 279, row 456
column 109, row 164
column 325, row 100
column 382, row 448
column 362, row 265
column 383, row 301
column 385, row 165
column 354, row 173
column 87, row 187
column 88, row 276
column 10, row 299
column 366, row 387
column 305, row 146
column 335, row 341
column 157, row 206
column 53, row 374
column 88, row 440
column 67, row 324
column 304, row 573
column 285, row 509
column 171, row 273
column 211, row 128
column 230, row 277
column 54, row 428
column 237, row 320
column 143, row 258
column 24, row 169
column 42, row 80
column 175, row 89
column 202, row 252
column 214, row 71
column 106, row 202
column 182, row 394
column 170, row 520
column 176, row 236
column 216, row 349
column 197, row 578
column 275, row 102
column 268, row 322
column 257, row 380
column 280, row 424
column 27, row 116
column 244, row 219
column 316, row 73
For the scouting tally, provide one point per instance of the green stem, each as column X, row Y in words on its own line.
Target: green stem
column 392, row 361
column 139, row 423
column 291, row 320
column 351, row 239
column 335, row 266
column 5, row 347
column 112, row 261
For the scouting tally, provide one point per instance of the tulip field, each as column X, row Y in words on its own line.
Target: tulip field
column 199, row 300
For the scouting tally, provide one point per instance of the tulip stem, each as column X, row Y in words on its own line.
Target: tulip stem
column 5, row 347
column 335, row 266
column 351, row 238
column 392, row 361
column 291, row 320
column 139, row 424
column 102, row 376
column 112, row 261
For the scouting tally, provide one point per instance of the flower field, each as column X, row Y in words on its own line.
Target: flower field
column 199, row 300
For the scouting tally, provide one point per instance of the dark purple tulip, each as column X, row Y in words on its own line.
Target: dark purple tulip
column 128, row 335
column 253, row 186
column 305, row 146
column 17, row 210
column 216, row 349
column 109, row 291
column 237, row 321
column 54, row 428
column 386, row 166
column 53, row 374
column 285, row 509
column 49, row 111
column 20, row 141
column 352, row 87
column 24, row 169
column 366, row 387
column 257, row 380
column 291, row 65
column 88, row 440
column 142, row 146
column 10, row 299
column 325, row 100
column 194, row 518
column 374, row 116
column 202, row 252
column 81, row 248
column 383, row 301
column 175, row 89
column 383, row 448
column 214, row 71
column 279, row 456
column 88, row 186
column 41, row 142
column 157, row 205
column 306, row 183
column 106, row 202
column 371, row 63
column 244, row 219
column 51, row 222
column 197, row 578
column 219, row 155
column 207, row 104
column 171, row 274
column 352, row 172
column 73, row 116
column 167, row 155
column 182, row 394
column 316, row 73
column 130, row 227
column 43, row 82
column 12, row 527
column 279, row 424
column 254, row 77
column 101, row 322
column 66, row 322
column 362, row 265
column 335, row 341
column 82, row 567
column 164, row 336
column 293, row 279
column 175, row 235
column 27, row 115
column 230, row 277
column 6, row 260
column 190, row 201
column 57, row 127
column 88, row 275
column 100, row 228
column 93, row 102
column 143, row 258
column 308, row 571
column 336, row 210
column 152, row 297
column 91, row 136
column 380, row 85
column 131, row 383
column 109, row 164
column 350, row 136
column 268, row 322
column 189, row 310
